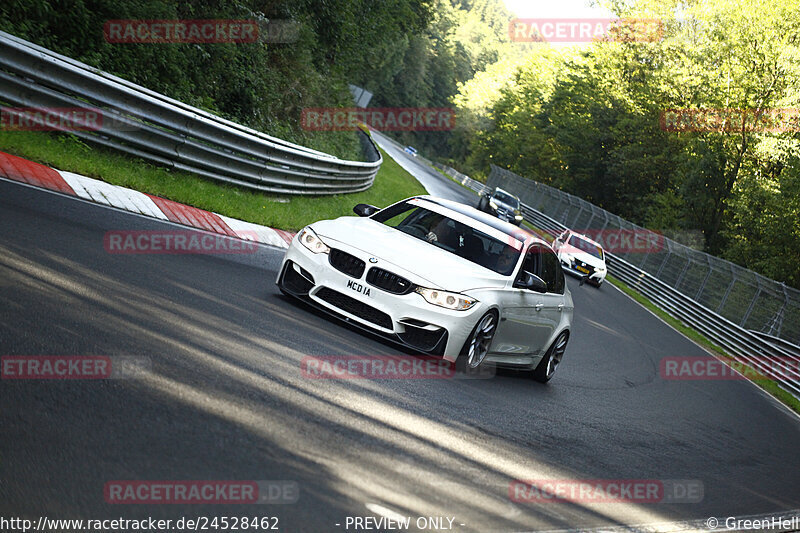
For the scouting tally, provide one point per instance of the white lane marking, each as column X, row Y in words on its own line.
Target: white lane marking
column 112, row 195
column 137, row 202
column 88, row 201
column 76, row 184
column 118, row 196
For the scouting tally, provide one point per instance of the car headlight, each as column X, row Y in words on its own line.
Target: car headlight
column 601, row 269
column 448, row 300
column 492, row 204
column 310, row 240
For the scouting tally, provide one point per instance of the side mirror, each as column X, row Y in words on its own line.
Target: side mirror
column 365, row 210
column 532, row 282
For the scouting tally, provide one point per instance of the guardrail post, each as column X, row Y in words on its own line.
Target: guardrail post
column 750, row 307
column 683, row 272
column 779, row 315
column 703, row 285
column 605, row 223
column 777, row 320
column 664, row 262
column 578, row 216
column 727, row 292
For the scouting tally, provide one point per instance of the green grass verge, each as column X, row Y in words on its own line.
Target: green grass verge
column 759, row 379
column 67, row 152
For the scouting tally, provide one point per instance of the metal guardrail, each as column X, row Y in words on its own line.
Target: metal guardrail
column 772, row 356
column 743, row 296
column 780, row 343
column 461, row 178
column 158, row 129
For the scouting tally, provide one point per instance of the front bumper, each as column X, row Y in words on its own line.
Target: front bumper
column 593, row 275
column 404, row 318
column 505, row 215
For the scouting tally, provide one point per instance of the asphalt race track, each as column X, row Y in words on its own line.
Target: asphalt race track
column 224, row 399
column 433, row 181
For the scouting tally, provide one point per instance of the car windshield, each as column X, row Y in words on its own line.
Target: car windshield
column 507, row 199
column 450, row 235
column 585, row 246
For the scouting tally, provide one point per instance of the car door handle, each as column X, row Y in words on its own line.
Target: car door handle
column 538, row 306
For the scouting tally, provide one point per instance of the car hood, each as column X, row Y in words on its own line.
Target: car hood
column 423, row 263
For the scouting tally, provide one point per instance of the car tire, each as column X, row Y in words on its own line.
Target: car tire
column 483, row 204
column 547, row 366
column 480, row 338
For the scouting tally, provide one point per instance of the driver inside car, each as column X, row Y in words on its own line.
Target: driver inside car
column 506, row 261
column 441, row 232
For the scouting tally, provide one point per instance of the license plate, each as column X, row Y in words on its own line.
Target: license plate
column 359, row 288
column 583, row 269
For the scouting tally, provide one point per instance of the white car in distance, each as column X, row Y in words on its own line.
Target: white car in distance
column 581, row 256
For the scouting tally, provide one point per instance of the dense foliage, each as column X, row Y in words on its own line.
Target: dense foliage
column 588, row 120
column 263, row 85
column 465, row 38
column 407, row 52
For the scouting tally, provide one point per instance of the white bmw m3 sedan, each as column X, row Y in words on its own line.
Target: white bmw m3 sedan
column 441, row 278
